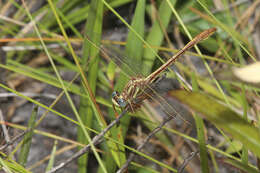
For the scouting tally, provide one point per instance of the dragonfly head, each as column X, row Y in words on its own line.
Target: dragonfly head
column 118, row 100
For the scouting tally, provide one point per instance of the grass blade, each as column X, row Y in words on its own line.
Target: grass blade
column 52, row 159
column 200, row 134
column 222, row 117
column 26, row 144
column 155, row 36
column 91, row 55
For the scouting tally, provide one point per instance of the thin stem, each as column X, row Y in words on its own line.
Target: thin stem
column 131, row 157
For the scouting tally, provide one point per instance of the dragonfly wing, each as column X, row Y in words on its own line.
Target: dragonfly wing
column 129, row 65
column 157, row 93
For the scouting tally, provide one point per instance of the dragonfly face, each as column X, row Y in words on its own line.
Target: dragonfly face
column 118, row 100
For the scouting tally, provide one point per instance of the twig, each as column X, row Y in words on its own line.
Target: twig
column 187, row 160
column 7, row 138
column 35, row 47
column 10, row 20
column 5, row 131
column 131, row 157
column 13, row 140
column 96, row 140
column 28, row 94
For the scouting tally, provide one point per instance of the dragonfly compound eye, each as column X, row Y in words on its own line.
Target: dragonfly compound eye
column 118, row 100
column 115, row 94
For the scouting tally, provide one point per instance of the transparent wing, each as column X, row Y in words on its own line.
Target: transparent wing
column 154, row 92
column 129, row 65
column 132, row 68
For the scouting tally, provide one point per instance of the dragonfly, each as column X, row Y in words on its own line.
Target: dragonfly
column 139, row 89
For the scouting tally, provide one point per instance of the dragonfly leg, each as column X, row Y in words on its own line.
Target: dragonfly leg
column 116, row 113
column 131, row 106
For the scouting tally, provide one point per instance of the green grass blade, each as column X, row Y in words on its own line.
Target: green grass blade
column 134, row 46
column 11, row 166
column 132, row 30
column 52, row 159
column 59, row 77
column 202, row 144
column 245, row 107
column 91, row 56
column 155, row 36
column 241, row 166
column 200, row 134
column 44, row 77
column 26, row 144
column 4, row 166
column 222, row 117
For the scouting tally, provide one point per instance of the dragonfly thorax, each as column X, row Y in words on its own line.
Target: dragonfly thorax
column 131, row 95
